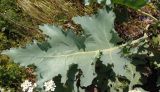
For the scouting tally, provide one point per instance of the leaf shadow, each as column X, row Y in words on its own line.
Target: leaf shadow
column 69, row 85
column 44, row 46
column 100, row 83
column 149, row 74
column 103, row 75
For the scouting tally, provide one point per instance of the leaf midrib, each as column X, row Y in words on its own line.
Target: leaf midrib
column 88, row 52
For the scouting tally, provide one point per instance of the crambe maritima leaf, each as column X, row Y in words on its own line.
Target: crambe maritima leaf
column 79, row 61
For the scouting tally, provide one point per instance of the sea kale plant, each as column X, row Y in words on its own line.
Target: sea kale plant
column 98, row 59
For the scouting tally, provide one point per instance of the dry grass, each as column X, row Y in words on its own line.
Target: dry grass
column 49, row 11
column 54, row 11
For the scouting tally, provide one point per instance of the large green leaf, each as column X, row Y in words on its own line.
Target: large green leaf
column 94, row 53
column 135, row 4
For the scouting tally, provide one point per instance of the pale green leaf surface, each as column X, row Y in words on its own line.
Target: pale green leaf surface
column 107, row 2
column 64, row 48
